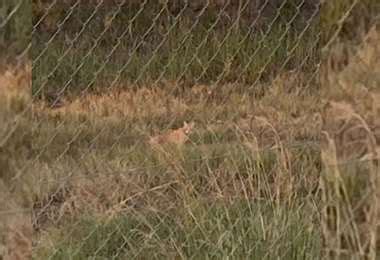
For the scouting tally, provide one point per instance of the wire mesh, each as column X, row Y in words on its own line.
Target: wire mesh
column 87, row 84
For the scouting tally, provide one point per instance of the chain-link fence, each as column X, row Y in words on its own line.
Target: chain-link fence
column 189, row 129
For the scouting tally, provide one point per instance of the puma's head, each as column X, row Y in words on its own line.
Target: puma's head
column 188, row 127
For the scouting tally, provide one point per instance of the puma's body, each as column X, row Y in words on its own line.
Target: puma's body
column 178, row 136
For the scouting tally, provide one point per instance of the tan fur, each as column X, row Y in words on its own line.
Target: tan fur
column 179, row 136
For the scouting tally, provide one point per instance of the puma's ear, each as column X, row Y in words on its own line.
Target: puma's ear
column 185, row 124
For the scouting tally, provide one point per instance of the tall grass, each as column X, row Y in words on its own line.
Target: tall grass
column 151, row 47
column 218, row 231
column 15, row 29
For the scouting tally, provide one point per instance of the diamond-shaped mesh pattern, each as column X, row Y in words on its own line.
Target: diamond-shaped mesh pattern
column 189, row 129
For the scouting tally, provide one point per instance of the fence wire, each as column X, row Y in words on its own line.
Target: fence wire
column 80, row 179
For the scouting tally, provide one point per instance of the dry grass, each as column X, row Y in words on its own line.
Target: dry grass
column 350, row 152
column 15, row 227
column 15, row 84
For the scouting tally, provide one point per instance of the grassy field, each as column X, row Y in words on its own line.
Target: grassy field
column 125, row 199
column 291, row 173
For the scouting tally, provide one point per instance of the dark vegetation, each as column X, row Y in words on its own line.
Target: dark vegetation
column 150, row 42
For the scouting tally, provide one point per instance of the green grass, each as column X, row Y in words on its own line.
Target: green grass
column 180, row 49
column 239, row 230
column 15, row 34
column 347, row 18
